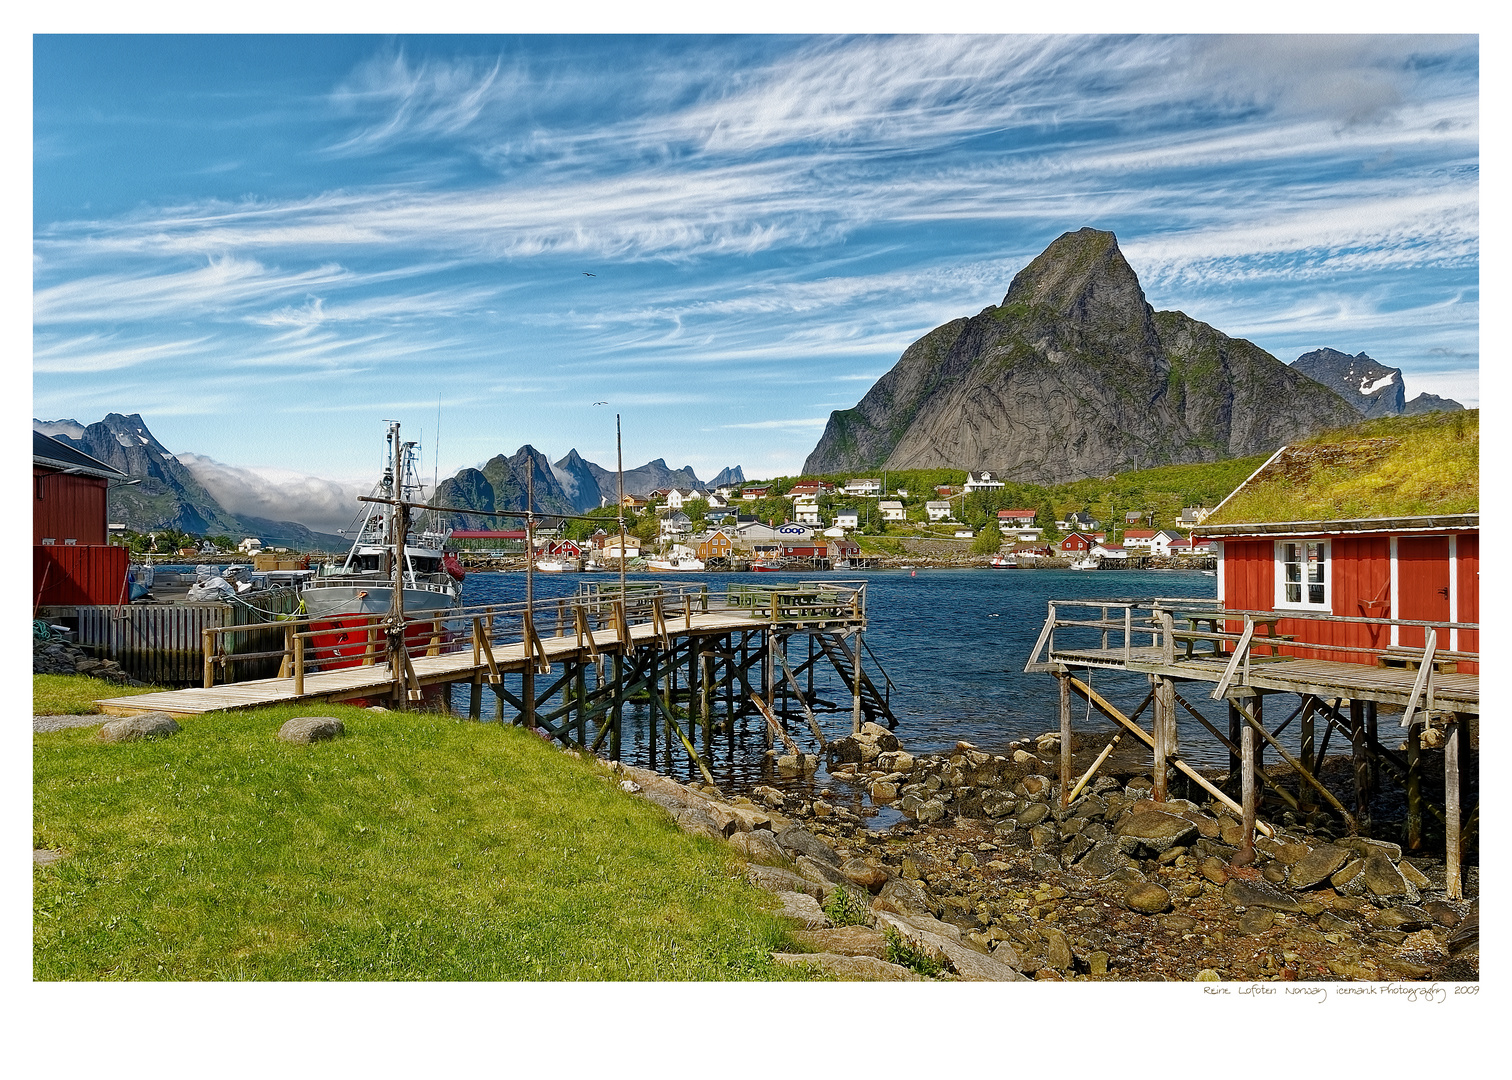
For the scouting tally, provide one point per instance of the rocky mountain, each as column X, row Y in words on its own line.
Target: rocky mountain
column 734, row 475
column 1074, row 375
column 501, row 485
column 649, row 477
column 168, row 495
column 1370, row 386
column 578, row 482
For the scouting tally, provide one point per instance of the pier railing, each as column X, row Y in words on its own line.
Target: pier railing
column 316, row 643
column 1122, row 632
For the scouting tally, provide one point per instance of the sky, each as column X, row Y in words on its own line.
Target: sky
column 267, row 246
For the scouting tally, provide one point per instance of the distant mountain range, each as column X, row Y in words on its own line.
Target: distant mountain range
column 1370, row 386
column 173, row 491
column 169, row 496
column 1075, row 375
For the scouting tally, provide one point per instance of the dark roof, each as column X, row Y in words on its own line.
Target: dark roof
column 53, row 454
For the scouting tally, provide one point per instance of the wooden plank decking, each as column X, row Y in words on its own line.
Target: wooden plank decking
column 1325, row 678
column 375, row 681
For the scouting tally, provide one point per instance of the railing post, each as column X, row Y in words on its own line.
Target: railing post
column 1128, row 633
column 299, row 651
column 208, row 637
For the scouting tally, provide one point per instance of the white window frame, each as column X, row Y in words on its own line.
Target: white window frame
column 1304, row 605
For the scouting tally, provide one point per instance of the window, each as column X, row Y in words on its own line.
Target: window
column 1303, row 580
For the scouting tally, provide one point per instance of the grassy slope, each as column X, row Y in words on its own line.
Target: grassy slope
column 75, row 695
column 1396, row 466
column 417, row 847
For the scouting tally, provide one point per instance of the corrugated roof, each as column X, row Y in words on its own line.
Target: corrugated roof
column 54, row 454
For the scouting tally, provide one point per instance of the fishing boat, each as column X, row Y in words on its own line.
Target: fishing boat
column 551, row 566
column 1086, row 562
column 761, row 566
column 344, row 599
column 675, row 564
column 1002, row 562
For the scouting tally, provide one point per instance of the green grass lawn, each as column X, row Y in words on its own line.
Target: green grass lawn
column 75, row 695
column 419, row 846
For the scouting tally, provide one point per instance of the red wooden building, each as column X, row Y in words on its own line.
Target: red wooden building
column 1076, row 541
column 1418, row 568
column 72, row 560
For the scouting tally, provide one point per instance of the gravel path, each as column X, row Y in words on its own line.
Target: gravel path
column 58, row 723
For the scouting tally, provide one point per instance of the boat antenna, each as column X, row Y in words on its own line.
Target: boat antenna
column 529, row 533
column 436, row 450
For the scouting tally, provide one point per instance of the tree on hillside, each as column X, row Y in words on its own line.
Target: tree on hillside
column 988, row 542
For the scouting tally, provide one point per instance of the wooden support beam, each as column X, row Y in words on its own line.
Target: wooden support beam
column 1414, row 838
column 1233, row 748
column 773, row 727
column 1164, row 734
column 1360, row 758
column 808, row 713
column 1246, row 852
column 1453, row 855
column 1117, row 717
column 1091, row 772
column 1255, row 723
column 1061, row 678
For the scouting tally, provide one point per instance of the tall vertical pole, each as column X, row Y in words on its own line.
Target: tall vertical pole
column 1361, row 762
column 619, row 454
column 1453, row 886
column 1235, row 734
column 1414, row 839
column 1063, row 681
column 1161, row 749
column 856, row 691
column 398, row 536
column 527, row 679
column 617, row 715
column 1246, row 853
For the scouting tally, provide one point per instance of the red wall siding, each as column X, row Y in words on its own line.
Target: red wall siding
column 79, row 575
column 1467, row 553
column 70, row 507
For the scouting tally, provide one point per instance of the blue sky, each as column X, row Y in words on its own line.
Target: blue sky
column 268, row 245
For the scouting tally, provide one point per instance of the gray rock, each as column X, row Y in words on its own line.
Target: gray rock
column 758, row 847
column 941, row 942
column 1256, row 920
column 998, row 804
column 933, row 810
column 1155, row 831
column 902, row 897
column 859, row 872
column 1317, row 866
column 845, row 940
column 1033, row 814
column 884, row 792
column 802, row 911
column 818, row 871
column 153, row 725
column 1364, row 846
column 307, row 729
column 849, row 968
column 1041, row 837
column 698, row 823
column 1382, row 877
column 775, row 879
column 1104, row 858
column 1057, row 949
column 1241, row 892
column 1147, row 897
column 796, row 840
column 1413, row 876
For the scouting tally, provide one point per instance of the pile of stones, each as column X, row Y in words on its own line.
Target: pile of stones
column 54, row 656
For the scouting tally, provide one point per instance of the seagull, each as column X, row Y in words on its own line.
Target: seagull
column 587, row 274
column 600, row 403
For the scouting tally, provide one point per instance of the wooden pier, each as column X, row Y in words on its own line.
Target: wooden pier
column 1195, row 649
column 568, row 666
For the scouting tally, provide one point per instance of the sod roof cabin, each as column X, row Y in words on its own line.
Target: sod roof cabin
column 1378, row 521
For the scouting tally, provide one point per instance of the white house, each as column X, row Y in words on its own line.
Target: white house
column 1144, row 539
column 1110, row 551
column 1160, row 543
column 675, row 523
column 937, row 511
column 251, row 545
column 806, row 509
column 677, row 496
column 982, row 481
column 1192, row 515
column 964, row 534
column 863, row 486
column 849, row 518
column 891, row 510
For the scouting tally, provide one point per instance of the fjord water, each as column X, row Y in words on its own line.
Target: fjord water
column 954, row 642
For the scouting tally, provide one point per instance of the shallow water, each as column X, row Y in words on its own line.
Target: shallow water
column 954, row 643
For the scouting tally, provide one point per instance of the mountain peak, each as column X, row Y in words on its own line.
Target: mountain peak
column 1082, row 275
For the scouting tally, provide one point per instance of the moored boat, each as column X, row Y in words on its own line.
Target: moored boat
column 345, row 602
column 1086, row 562
column 675, row 564
column 1002, row 562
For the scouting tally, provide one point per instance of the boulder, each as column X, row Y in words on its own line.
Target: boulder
column 758, row 847
column 1155, row 831
column 698, row 823
column 802, row 911
column 775, row 879
column 1214, row 869
column 933, row 810
column 1147, row 897
column 883, row 792
column 941, row 942
column 1057, row 949
column 895, row 761
column 845, row 940
column 1033, row 814
column 1364, row 846
column 1256, row 920
column 153, row 725
column 1242, row 892
column 902, row 897
column 819, row 871
column 1105, row 858
column 1413, row 876
column 850, row 968
column 1317, row 866
column 1382, row 877
column 796, row 841
column 304, row 730
column 864, row 874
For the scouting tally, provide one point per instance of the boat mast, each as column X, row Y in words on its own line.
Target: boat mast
column 398, row 529
column 619, row 452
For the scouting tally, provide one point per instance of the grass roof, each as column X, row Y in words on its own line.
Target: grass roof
column 1398, row 466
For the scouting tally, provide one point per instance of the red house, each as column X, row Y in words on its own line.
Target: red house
column 1077, row 542
column 72, row 561
column 1384, row 564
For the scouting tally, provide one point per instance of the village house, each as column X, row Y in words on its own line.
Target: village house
column 1018, row 523
column 715, row 545
column 1192, row 515
column 1160, row 543
column 1078, row 521
column 937, row 511
column 1077, row 543
column 964, row 534
column 848, row 518
column 863, row 486
column 1141, row 539
column 676, row 497
column 982, row 481
column 72, row 559
column 674, row 523
column 806, row 509
column 891, row 510
column 811, row 487
column 1412, row 556
column 751, row 494
column 1110, row 551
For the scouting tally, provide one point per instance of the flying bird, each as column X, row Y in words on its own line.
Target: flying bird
column 587, row 274
column 601, row 403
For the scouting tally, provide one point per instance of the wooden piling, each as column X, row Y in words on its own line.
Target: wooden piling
column 1235, row 731
column 856, row 692
column 706, row 699
column 1308, row 756
column 1164, row 729
column 1360, row 756
column 1246, row 853
column 1452, row 854
column 474, row 697
column 1414, row 838
column 1065, row 737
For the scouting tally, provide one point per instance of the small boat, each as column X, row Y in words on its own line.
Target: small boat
column 1002, row 562
column 1086, row 562
column 675, row 564
column 551, row 566
column 1209, row 573
column 763, row 567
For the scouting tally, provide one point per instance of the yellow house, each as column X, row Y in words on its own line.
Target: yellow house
column 716, row 546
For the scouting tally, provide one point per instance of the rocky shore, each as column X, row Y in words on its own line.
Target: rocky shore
column 987, row 877
column 56, row 656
